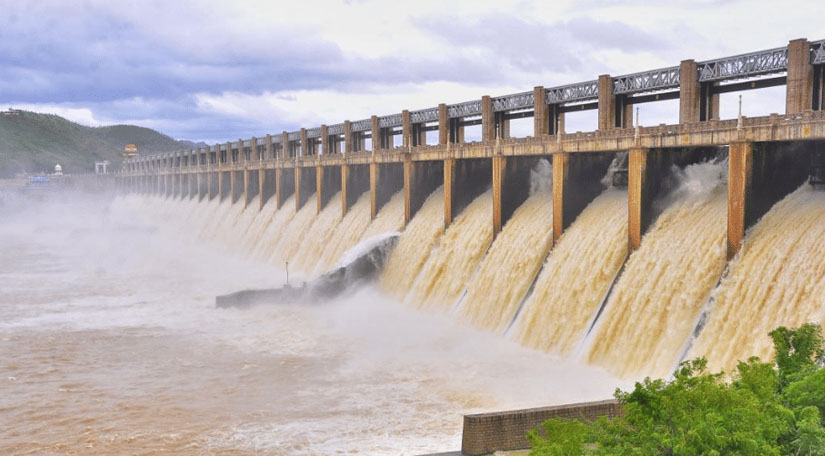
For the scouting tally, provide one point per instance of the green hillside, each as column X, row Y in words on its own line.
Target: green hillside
column 34, row 143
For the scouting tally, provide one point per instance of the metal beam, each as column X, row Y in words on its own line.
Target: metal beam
column 647, row 81
column 750, row 85
column 744, row 65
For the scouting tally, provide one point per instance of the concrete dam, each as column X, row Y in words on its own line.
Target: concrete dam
column 629, row 247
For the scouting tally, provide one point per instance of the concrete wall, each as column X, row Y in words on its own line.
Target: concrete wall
column 486, row 433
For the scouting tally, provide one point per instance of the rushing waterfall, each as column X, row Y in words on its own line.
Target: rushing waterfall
column 445, row 274
column 259, row 224
column 318, row 237
column 508, row 269
column 266, row 248
column 654, row 305
column 346, row 234
column 576, row 276
column 389, row 219
column 414, row 247
column 289, row 240
column 579, row 299
column 778, row 278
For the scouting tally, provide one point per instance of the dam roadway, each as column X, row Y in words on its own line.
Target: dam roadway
column 769, row 156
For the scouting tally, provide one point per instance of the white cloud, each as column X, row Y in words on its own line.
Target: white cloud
column 267, row 65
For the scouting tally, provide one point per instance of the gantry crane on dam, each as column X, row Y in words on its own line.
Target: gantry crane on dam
column 769, row 156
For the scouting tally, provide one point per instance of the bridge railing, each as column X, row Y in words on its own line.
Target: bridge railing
column 743, row 66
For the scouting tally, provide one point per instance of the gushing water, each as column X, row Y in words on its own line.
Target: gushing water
column 445, row 274
column 510, row 267
column 111, row 344
column 414, row 247
column 778, row 278
column 266, row 248
column 575, row 277
column 259, row 224
column 654, row 305
column 347, row 234
column 289, row 242
column 390, row 218
column 319, row 237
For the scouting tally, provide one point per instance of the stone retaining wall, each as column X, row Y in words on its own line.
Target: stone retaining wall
column 485, row 433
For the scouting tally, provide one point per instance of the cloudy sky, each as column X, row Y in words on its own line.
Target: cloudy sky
column 222, row 70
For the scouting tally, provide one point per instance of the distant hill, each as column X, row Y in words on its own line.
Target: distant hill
column 34, row 143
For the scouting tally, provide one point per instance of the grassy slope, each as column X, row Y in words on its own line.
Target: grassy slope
column 36, row 142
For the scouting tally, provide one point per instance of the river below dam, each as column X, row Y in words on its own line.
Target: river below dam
column 110, row 342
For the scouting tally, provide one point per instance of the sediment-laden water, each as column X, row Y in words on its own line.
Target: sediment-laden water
column 653, row 308
column 576, row 276
column 414, row 247
column 778, row 278
column 110, row 344
column 455, row 257
column 508, row 269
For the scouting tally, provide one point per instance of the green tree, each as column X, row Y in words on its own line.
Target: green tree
column 765, row 409
column 797, row 350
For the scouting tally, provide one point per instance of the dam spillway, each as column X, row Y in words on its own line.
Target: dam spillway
column 619, row 256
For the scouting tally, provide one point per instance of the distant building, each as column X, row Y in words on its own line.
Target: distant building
column 12, row 113
column 102, row 167
column 130, row 151
column 58, row 170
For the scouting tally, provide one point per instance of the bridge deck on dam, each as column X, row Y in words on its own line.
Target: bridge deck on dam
column 808, row 126
column 764, row 150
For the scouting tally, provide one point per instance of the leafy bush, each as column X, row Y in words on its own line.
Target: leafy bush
column 766, row 409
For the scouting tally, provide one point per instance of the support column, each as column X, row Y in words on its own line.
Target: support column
column 245, row 187
column 799, row 90
column 541, row 113
column 347, row 137
column 499, row 168
column 279, row 196
column 408, row 181
column 269, row 152
column 206, row 179
column 344, row 189
column 261, row 183
column 449, row 195
column 324, row 140
column 375, row 176
column 298, row 202
column 284, row 144
column 221, row 184
column 199, row 185
column 645, row 170
column 607, row 104
column 488, row 124
column 319, row 188
column 443, row 124
column 375, row 133
column 690, row 94
column 406, row 128
column 636, row 195
column 740, row 183
column 561, row 170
